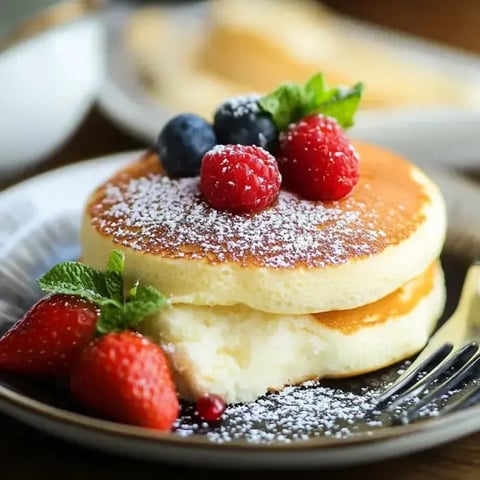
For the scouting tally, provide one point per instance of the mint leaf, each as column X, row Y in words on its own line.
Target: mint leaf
column 113, row 275
column 316, row 91
column 285, row 104
column 115, row 318
column 75, row 278
column 114, row 286
column 111, row 319
column 342, row 105
column 290, row 102
column 105, row 289
column 148, row 300
column 116, row 262
column 133, row 290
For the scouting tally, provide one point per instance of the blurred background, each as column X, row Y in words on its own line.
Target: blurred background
column 79, row 79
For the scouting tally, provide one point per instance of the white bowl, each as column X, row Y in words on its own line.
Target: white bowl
column 47, row 84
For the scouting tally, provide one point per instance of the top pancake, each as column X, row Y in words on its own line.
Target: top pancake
column 294, row 248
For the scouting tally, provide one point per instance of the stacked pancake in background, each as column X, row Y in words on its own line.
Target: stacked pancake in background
column 193, row 62
column 298, row 291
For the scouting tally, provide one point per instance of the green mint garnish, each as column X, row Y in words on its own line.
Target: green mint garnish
column 74, row 278
column 290, row 102
column 114, row 275
column 286, row 105
column 106, row 290
column 147, row 301
column 116, row 262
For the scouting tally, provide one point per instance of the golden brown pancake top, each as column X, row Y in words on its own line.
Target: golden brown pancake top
column 398, row 303
column 142, row 209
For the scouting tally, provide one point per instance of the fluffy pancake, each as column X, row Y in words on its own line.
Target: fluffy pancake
column 240, row 353
column 297, row 257
column 298, row 37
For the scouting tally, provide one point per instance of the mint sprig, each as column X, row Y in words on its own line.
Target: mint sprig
column 290, row 102
column 106, row 290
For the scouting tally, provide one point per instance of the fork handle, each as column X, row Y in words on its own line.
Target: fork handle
column 454, row 330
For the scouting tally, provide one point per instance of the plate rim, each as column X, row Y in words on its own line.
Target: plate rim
column 134, row 432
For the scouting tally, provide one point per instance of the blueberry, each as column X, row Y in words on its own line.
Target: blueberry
column 182, row 144
column 240, row 121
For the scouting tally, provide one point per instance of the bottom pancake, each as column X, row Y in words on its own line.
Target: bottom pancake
column 240, row 353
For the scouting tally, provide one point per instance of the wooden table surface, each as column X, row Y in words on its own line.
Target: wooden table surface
column 26, row 453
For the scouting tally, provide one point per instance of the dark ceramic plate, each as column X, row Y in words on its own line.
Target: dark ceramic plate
column 318, row 424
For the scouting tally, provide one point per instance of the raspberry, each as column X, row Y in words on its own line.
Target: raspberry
column 317, row 160
column 239, row 178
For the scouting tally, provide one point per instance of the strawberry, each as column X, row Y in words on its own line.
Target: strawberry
column 82, row 302
column 49, row 337
column 125, row 377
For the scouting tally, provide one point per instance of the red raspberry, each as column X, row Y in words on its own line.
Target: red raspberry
column 317, row 160
column 239, row 178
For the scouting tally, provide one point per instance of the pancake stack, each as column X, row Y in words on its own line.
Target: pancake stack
column 302, row 290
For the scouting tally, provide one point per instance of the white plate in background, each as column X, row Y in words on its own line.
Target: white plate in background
column 441, row 135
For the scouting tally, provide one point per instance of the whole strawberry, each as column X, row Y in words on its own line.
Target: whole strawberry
column 125, row 377
column 317, row 160
column 81, row 303
column 49, row 337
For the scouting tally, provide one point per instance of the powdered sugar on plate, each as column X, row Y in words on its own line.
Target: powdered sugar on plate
column 335, row 409
column 295, row 413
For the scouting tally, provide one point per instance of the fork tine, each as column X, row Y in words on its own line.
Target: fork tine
column 448, row 336
column 467, row 398
column 464, row 355
column 412, row 373
column 459, row 376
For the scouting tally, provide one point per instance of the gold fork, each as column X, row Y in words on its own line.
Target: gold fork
column 451, row 355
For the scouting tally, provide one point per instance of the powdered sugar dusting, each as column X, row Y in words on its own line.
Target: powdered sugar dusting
column 241, row 105
column 312, row 410
column 169, row 216
column 296, row 414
